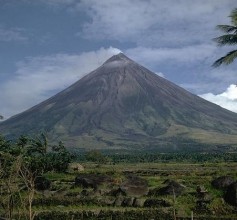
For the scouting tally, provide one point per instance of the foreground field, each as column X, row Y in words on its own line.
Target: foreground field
column 134, row 190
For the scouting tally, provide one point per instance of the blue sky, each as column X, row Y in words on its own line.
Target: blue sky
column 46, row 45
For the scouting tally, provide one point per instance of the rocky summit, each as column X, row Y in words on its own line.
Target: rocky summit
column 123, row 105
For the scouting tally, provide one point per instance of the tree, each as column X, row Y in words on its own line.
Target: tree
column 229, row 38
column 28, row 178
column 17, row 188
column 5, row 144
column 59, row 158
column 42, row 160
column 39, row 145
column 96, row 156
column 21, row 163
column 9, row 188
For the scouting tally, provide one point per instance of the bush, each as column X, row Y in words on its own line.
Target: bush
column 103, row 215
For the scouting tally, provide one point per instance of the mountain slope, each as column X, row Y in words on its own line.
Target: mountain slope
column 122, row 104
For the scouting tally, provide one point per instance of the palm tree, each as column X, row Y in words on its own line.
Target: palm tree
column 39, row 145
column 229, row 38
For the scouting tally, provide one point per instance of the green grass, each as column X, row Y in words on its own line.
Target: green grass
column 60, row 176
column 188, row 174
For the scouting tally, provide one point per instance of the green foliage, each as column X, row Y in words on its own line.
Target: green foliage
column 142, row 157
column 38, row 145
column 65, row 201
column 35, row 154
column 21, row 163
column 105, row 215
column 59, row 158
column 4, row 144
column 96, row 156
column 229, row 38
column 187, row 199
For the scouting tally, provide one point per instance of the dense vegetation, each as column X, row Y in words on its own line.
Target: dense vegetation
column 22, row 164
column 36, row 154
column 39, row 181
column 144, row 157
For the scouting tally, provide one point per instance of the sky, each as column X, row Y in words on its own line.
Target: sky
column 46, row 45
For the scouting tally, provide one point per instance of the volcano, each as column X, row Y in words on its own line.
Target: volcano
column 123, row 105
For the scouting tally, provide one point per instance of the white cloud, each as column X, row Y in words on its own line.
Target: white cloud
column 56, row 2
column 38, row 78
column 186, row 54
column 59, row 1
column 206, row 80
column 188, row 66
column 227, row 99
column 154, row 22
column 160, row 74
column 12, row 34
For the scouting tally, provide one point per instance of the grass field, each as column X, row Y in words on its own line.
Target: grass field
column 64, row 200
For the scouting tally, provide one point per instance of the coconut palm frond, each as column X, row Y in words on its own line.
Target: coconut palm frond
column 227, row 59
column 230, row 38
column 227, row 28
column 227, row 39
column 39, row 144
column 233, row 17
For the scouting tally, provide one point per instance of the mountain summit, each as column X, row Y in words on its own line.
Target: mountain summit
column 124, row 105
